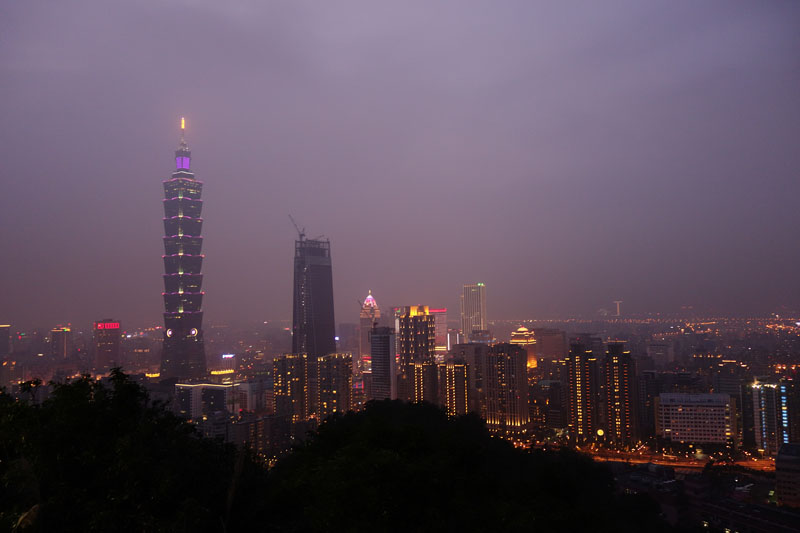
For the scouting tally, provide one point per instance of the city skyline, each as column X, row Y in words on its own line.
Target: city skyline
column 631, row 158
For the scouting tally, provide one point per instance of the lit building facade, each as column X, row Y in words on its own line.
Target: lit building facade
column 183, row 352
column 61, row 342
column 290, row 386
column 506, row 382
column 440, row 322
column 774, row 404
column 105, row 339
column 525, row 338
column 416, row 343
column 370, row 314
column 620, row 394
column 454, row 387
column 581, row 373
column 696, row 418
column 335, row 383
column 473, row 308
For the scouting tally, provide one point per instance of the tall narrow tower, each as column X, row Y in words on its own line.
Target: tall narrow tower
column 473, row 309
column 183, row 354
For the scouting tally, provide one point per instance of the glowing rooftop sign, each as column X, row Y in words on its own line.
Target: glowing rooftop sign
column 106, row 325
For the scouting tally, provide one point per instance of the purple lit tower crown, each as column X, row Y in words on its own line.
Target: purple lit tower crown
column 183, row 354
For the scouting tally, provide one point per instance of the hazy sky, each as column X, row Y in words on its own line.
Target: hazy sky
column 567, row 154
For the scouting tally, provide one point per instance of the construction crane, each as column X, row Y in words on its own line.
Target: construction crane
column 300, row 232
column 618, row 302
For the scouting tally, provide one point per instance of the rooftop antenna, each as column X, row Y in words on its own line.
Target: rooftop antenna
column 300, row 232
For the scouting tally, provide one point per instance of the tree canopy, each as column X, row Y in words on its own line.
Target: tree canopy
column 102, row 457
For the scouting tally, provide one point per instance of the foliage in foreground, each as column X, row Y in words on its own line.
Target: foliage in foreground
column 97, row 457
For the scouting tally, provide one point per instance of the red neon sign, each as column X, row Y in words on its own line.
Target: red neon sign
column 106, row 325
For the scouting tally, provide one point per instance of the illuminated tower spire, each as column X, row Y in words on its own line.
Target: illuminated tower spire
column 183, row 354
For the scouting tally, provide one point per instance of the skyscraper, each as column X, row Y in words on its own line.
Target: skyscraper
column 183, row 355
column 313, row 324
column 384, row 373
column 619, row 376
column 506, row 381
column 61, row 342
column 416, row 343
column 581, row 383
column 473, row 308
column 106, row 337
column 370, row 314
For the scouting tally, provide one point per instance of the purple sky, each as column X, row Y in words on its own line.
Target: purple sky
column 566, row 154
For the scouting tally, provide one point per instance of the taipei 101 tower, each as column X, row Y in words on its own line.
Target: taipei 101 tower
column 183, row 354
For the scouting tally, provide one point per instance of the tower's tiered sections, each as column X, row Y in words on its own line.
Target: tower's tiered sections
column 183, row 354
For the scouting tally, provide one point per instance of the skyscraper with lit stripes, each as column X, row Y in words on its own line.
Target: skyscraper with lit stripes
column 183, row 354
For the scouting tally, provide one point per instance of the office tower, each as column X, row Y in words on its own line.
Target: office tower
column 696, row 418
column 183, row 354
column 383, row 349
column 313, row 324
column 5, row 339
column 334, row 383
column 440, row 324
column 620, row 394
column 370, row 314
column 60, row 342
column 551, row 344
column 290, row 386
column 416, row 343
column 581, row 384
column 106, row 337
column 473, row 308
column 774, row 405
column 454, row 387
column 506, row 381
column 787, row 475
column 525, row 339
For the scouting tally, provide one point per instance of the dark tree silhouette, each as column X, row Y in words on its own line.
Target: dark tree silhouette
column 400, row 467
column 103, row 458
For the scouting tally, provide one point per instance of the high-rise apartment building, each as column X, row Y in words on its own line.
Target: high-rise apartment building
column 61, row 342
column 474, row 355
column 425, row 382
column 334, row 383
column 619, row 394
column 581, row 383
column 473, row 308
column 290, row 386
column 416, row 343
column 370, row 314
column 454, row 387
column 506, row 381
column 183, row 352
column 774, row 404
column 384, row 374
column 106, row 338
